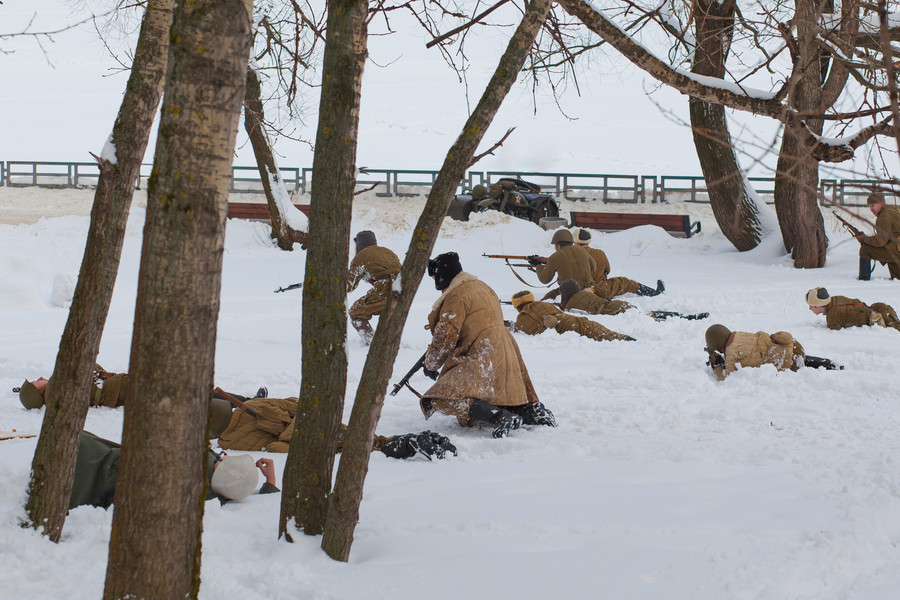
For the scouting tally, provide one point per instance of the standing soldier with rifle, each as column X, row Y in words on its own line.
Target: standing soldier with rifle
column 378, row 266
column 884, row 244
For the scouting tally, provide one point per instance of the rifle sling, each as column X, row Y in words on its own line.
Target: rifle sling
column 525, row 282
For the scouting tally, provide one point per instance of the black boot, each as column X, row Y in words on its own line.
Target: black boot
column 865, row 268
column 502, row 420
column 645, row 290
column 534, row 413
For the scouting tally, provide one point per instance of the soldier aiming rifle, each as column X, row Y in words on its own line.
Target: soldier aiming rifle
column 884, row 244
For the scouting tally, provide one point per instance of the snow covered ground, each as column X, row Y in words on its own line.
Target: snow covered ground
column 659, row 482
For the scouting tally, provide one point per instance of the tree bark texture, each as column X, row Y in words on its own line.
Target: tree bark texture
column 254, row 124
column 154, row 549
column 733, row 206
column 68, row 397
column 797, row 171
column 310, row 462
column 343, row 508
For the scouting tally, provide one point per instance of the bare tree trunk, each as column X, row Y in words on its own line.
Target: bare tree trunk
column 308, row 471
column 154, row 549
column 343, row 508
column 797, row 172
column 254, row 124
column 733, row 205
column 68, row 396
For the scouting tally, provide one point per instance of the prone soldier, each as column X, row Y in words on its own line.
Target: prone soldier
column 841, row 311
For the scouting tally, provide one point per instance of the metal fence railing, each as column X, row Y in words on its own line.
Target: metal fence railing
column 605, row 187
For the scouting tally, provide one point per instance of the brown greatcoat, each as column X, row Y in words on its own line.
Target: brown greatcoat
column 378, row 266
column 883, row 246
column 591, row 303
column 271, row 429
column 536, row 317
column 843, row 312
column 477, row 355
column 760, row 348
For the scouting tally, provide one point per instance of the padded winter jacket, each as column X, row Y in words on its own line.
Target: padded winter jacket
column 760, row 348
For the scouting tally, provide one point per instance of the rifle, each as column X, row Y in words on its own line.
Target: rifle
column 533, row 259
column 405, row 381
column 293, row 286
column 236, row 402
column 817, row 361
column 853, row 230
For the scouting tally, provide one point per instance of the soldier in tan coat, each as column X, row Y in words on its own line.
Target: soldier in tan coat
column 377, row 266
column 729, row 350
column 568, row 262
column 610, row 287
column 267, row 425
column 841, row 311
column 478, row 370
column 537, row 317
column 107, row 389
column 884, row 244
column 572, row 297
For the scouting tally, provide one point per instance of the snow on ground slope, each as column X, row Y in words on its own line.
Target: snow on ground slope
column 659, row 482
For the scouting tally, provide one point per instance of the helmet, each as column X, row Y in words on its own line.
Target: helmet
column 479, row 191
column 30, row 396
column 562, row 235
column 219, row 416
column 716, row 337
column 818, row 297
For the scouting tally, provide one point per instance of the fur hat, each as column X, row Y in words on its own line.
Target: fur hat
column 562, row 235
column 567, row 289
column 818, row 296
column 364, row 239
column 444, row 267
column 583, row 236
column 235, row 477
column 716, row 337
column 521, row 298
column 30, row 396
column 875, row 198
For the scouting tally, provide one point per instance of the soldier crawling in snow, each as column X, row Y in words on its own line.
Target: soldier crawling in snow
column 729, row 350
column 267, row 425
column 841, row 312
column 537, row 317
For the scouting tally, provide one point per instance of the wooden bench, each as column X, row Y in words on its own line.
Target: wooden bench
column 677, row 225
column 255, row 211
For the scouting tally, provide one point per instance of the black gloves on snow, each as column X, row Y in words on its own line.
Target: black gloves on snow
column 426, row 443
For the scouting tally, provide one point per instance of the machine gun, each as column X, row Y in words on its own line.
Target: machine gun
column 293, row 286
column 405, row 381
column 817, row 361
column 853, row 230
